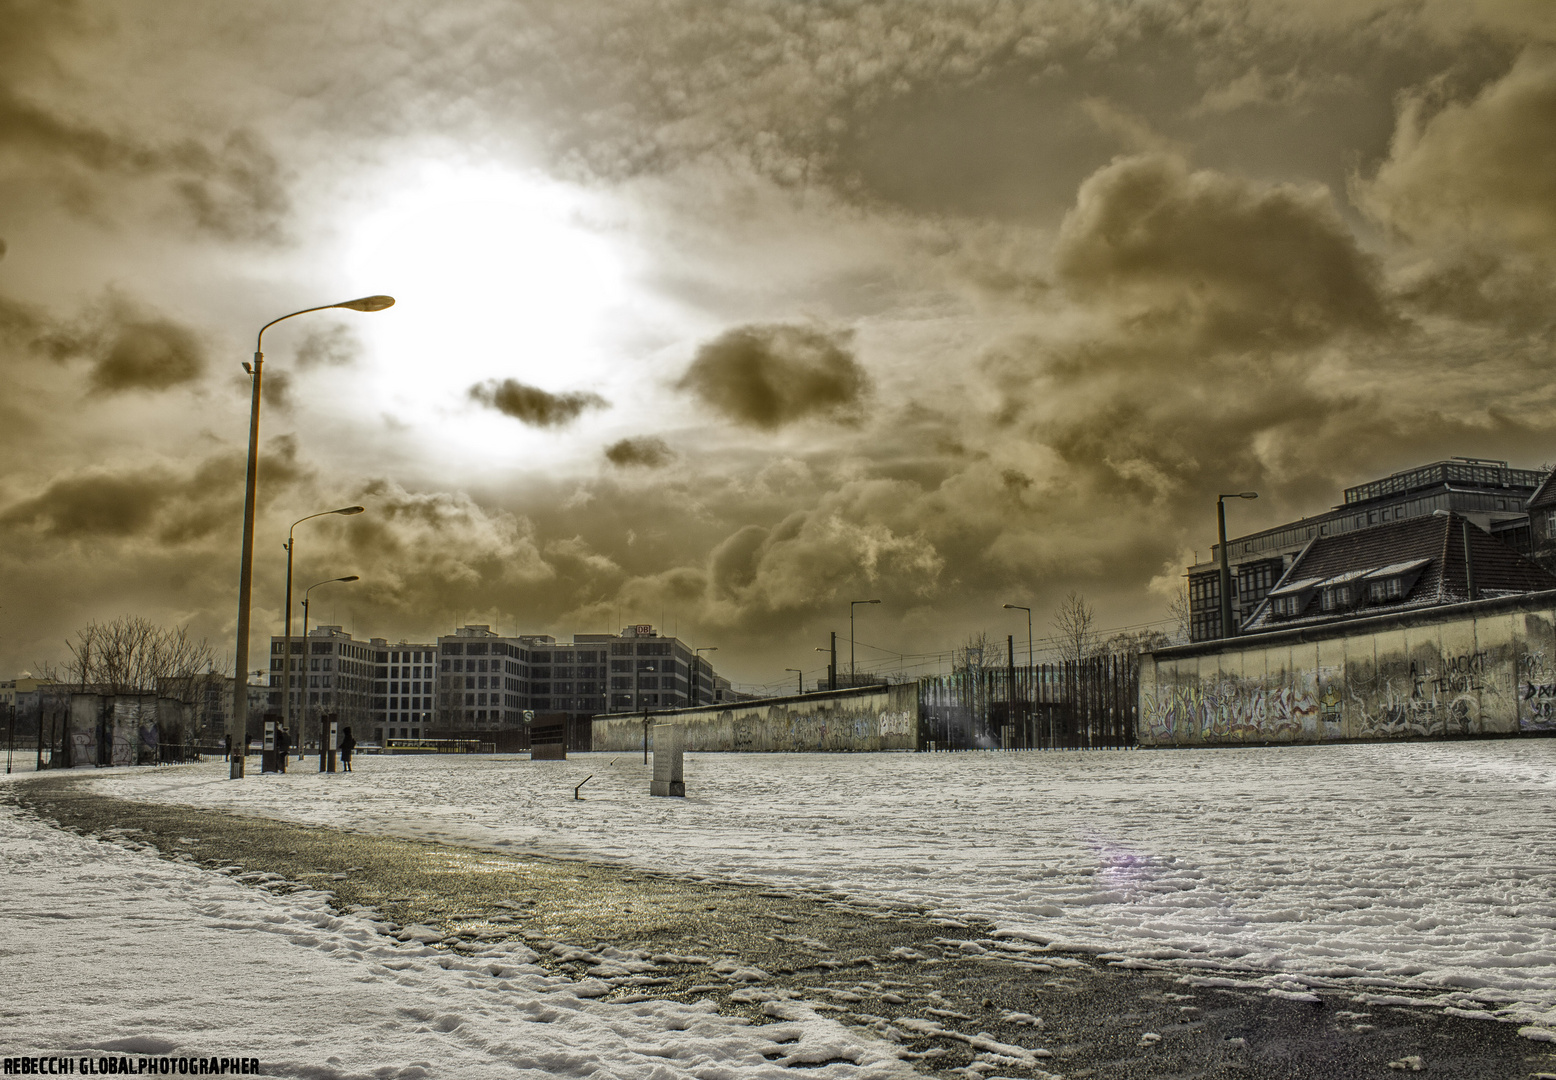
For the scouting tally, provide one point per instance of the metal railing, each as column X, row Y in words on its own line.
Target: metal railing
column 1092, row 704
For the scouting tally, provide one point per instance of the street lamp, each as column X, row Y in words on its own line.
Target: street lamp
column 696, row 660
column 304, row 677
column 853, row 672
column 801, row 674
column 238, row 724
column 286, row 664
column 1018, row 607
column 1227, row 629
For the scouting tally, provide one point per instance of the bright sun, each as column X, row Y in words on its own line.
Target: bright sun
column 498, row 274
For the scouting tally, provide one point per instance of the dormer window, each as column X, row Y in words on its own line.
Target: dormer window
column 1390, row 588
column 1284, row 606
column 1336, row 597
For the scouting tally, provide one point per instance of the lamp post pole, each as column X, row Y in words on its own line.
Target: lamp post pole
column 303, row 678
column 1227, row 628
column 696, row 668
column 237, row 729
column 1018, row 607
column 801, row 674
column 286, row 664
column 853, row 671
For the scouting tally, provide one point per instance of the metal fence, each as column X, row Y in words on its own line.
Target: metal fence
column 1087, row 705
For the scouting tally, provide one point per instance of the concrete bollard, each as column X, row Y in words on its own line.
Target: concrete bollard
column 669, row 756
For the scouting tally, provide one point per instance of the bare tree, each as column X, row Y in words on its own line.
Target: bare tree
column 1073, row 625
column 1135, row 642
column 1178, row 611
column 132, row 654
column 974, row 654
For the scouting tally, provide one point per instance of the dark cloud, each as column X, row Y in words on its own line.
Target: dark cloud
column 1483, row 168
column 100, row 505
column 645, row 451
column 333, row 346
column 1470, row 184
column 128, row 346
column 534, row 406
column 1248, row 264
column 170, row 505
column 277, row 390
column 151, row 354
column 767, row 376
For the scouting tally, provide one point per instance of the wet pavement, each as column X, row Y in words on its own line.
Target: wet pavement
column 956, row 996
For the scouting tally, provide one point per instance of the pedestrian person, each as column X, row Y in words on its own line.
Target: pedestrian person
column 347, row 744
column 283, row 745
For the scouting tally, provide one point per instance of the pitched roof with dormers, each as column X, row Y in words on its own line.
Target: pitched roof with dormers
column 1424, row 556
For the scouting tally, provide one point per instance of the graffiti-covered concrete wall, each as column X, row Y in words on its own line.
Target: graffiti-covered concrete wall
column 123, row 729
column 1481, row 668
column 868, row 718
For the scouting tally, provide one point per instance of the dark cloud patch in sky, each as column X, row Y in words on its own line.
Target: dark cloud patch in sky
column 534, row 406
column 1470, row 184
column 333, row 346
column 768, row 376
column 150, row 354
column 644, row 451
column 95, row 505
column 1252, row 264
column 128, row 346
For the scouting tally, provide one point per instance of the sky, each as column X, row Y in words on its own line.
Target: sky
column 718, row 316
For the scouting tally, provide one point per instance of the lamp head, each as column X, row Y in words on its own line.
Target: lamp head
column 347, row 511
column 368, row 303
column 353, row 577
column 1247, row 494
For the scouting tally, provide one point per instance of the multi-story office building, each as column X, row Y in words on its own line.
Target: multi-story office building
column 1489, row 494
column 332, row 672
column 476, row 680
column 404, row 689
column 487, row 681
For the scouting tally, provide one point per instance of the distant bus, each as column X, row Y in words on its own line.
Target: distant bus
column 438, row 746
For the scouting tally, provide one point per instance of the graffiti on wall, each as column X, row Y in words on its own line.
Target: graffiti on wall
column 1536, row 693
column 1438, row 695
column 1234, row 709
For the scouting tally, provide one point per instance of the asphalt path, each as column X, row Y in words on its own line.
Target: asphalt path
column 950, row 992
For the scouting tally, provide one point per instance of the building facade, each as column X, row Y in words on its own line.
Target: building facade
column 1488, row 493
column 489, row 682
column 332, row 673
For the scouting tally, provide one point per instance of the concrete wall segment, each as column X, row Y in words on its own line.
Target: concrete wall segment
column 865, row 719
column 1486, row 668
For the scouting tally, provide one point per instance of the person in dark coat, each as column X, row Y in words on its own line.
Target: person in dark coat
column 347, row 744
column 283, row 744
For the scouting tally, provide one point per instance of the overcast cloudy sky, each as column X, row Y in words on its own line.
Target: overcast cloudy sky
column 720, row 315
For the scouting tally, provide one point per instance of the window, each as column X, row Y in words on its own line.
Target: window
column 1390, row 588
column 1336, row 597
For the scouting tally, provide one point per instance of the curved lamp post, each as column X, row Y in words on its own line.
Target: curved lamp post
column 1018, row 607
column 304, row 676
column 853, row 672
column 286, row 664
column 238, row 724
column 1227, row 629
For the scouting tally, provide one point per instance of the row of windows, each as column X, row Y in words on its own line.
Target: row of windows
column 1340, row 597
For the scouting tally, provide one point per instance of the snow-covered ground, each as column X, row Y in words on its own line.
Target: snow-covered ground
column 1425, row 865
column 110, row 951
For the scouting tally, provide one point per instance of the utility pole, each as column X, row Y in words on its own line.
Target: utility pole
column 832, row 665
